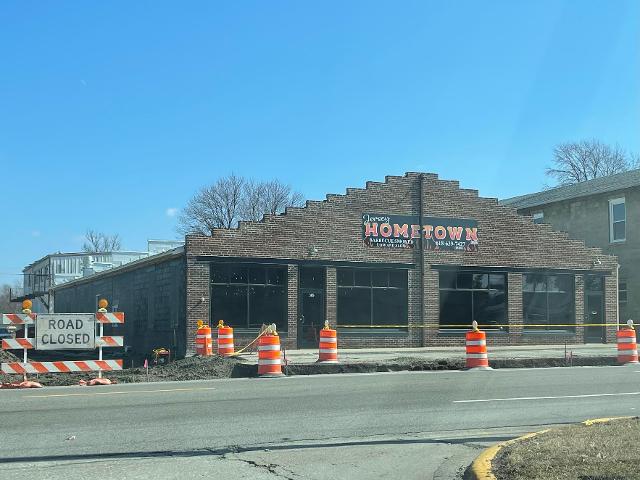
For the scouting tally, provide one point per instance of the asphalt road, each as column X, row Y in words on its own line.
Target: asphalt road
column 398, row 425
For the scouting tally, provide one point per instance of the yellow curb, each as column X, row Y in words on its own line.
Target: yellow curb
column 481, row 467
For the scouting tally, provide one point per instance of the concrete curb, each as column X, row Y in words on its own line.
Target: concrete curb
column 480, row 469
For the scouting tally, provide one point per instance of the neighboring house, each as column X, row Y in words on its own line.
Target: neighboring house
column 58, row 268
column 605, row 213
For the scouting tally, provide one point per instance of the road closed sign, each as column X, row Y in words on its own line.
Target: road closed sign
column 66, row 331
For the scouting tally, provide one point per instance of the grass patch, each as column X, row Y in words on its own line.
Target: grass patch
column 603, row 451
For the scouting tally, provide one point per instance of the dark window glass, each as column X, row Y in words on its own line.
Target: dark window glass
column 312, row 277
column 379, row 297
column 266, row 306
column 344, row 277
column 229, row 304
column 593, row 283
column 549, row 302
column 362, row 277
column 398, row 278
column 389, row 306
column 535, row 307
column 237, row 274
column 247, row 296
column 534, row 283
column 275, row 276
column 497, row 281
column 354, row 306
column 380, row 278
column 448, row 279
column 464, row 280
column 480, row 280
column 455, row 308
column 622, row 292
column 465, row 297
column 257, row 275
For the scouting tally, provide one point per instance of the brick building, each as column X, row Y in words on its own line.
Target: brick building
column 602, row 212
column 407, row 262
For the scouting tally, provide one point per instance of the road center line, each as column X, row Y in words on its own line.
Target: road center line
column 513, row 399
column 92, row 394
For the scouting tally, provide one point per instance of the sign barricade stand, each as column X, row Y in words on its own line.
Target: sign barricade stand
column 62, row 332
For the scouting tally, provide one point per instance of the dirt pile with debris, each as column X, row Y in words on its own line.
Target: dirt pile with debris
column 191, row 368
column 7, row 357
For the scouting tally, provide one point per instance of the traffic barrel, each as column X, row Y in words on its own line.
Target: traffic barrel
column 225, row 339
column 328, row 351
column 627, row 345
column 476, row 346
column 204, row 346
column 269, row 362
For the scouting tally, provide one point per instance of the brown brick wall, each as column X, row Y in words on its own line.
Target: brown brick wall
column 333, row 227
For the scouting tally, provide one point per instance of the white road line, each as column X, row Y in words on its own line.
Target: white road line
column 514, row 399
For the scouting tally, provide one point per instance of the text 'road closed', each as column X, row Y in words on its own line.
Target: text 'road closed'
column 65, row 331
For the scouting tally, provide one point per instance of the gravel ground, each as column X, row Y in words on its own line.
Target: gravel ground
column 603, row 451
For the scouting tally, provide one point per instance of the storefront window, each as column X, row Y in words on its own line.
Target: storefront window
column 370, row 297
column 548, row 302
column 248, row 296
column 466, row 296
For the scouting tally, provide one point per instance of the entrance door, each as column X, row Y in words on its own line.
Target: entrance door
column 311, row 317
column 594, row 309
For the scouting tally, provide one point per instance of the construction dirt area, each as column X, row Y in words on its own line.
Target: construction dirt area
column 205, row 368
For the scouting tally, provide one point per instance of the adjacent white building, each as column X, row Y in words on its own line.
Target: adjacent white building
column 57, row 268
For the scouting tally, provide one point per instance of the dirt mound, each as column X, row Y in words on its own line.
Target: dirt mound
column 192, row 368
column 6, row 357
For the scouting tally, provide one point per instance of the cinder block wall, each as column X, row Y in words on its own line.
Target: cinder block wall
column 334, row 227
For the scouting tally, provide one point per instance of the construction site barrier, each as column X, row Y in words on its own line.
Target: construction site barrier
column 269, row 361
column 225, row 339
column 627, row 345
column 328, row 351
column 476, row 347
column 204, row 345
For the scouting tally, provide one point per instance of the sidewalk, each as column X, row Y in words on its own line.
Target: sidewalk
column 358, row 355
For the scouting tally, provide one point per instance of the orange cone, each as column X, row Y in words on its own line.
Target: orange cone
column 476, row 346
column 225, row 339
column 328, row 352
column 269, row 361
column 627, row 345
column 203, row 340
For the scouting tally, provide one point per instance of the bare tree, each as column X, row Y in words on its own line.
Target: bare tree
column 232, row 199
column 215, row 206
column 97, row 242
column 277, row 196
column 576, row 162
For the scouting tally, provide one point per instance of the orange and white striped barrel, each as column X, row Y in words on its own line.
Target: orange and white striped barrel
column 627, row 346
column 204, row 346
column 476, row 345
column 225, row 339
column 328, row 352
column 269, row 362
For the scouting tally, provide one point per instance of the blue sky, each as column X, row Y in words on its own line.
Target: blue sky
column 113, row 113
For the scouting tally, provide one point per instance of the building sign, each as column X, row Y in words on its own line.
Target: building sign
column 404, row 231
column 64, row 331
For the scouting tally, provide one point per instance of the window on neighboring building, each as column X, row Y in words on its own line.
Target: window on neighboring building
column 617, row 220
column 467, row 296
column 622, row 293
column 538, row 217
column 248, row 296
column 549, row 302
column 372, row 297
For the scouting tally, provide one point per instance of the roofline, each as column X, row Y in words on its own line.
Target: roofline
column 82, row 254
column 151, row 260
column 514, row 204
